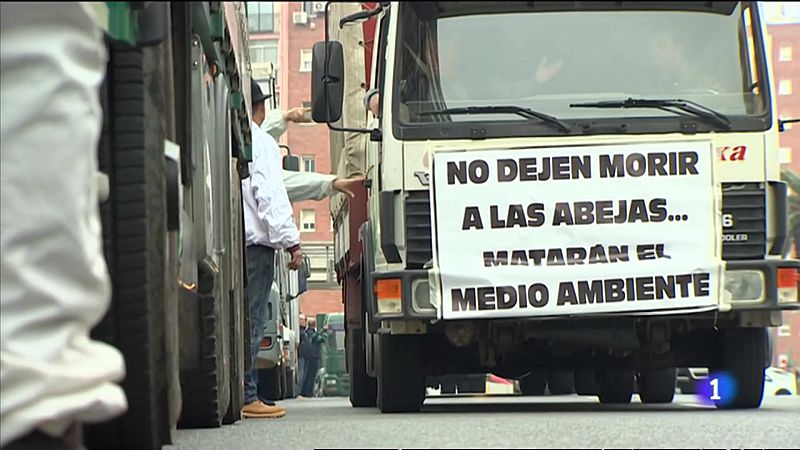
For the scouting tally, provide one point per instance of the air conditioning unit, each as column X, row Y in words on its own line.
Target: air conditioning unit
column 300, row 18
column 318, row 7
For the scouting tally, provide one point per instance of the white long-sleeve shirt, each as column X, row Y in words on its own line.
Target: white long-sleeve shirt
column 275, row 124
column 268, row 214
column 299, row 185
column 308, row 185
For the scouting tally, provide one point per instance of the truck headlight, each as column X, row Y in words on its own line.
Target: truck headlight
column 745, row 286
column 421, row 298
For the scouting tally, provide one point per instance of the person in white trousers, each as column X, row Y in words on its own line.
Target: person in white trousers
column 55, row 285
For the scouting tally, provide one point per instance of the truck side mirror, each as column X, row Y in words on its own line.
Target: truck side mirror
column 327, row 83
column 290, row 162
column 782, row 123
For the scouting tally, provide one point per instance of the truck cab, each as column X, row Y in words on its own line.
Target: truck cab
column 557, row 186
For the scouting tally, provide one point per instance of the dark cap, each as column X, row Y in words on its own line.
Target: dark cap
column 255, row 92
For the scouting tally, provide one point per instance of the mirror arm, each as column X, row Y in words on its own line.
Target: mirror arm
column 373, row 132
column 782, row 123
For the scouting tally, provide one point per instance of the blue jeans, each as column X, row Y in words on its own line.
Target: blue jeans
column 260, row 272
column 310, row 372
column 301, row 362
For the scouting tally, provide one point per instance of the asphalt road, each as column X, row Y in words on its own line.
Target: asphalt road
column 511, row 422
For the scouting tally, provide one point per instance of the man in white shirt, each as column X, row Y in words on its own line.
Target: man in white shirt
column 55, row 285
column 269, row 226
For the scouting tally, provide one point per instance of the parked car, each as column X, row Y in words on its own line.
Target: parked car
column 779, row 382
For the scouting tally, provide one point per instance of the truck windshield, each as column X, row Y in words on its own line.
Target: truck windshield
column 512, row 55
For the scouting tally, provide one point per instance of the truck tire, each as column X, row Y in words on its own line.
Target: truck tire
column 657, row 385
column 239, row 309
column 401, row 374
column 616, row 386
column 560, row 382
column 743, row 359
column 206, row 389
column 585, row 381
column 131, row 153
column 448, row 386
column 471, row 384
column 534, row 383
column 363, row 388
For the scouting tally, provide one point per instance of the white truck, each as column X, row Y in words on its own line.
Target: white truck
column 591, row 188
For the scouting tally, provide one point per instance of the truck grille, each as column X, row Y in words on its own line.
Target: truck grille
column 746, row 238
column 744, row 207
column 418, row 229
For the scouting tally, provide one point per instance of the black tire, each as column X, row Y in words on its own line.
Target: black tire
column 269, row 384
column 534, row 383
column 448, row 386
column 471, row 384
column 401, row 374
column 616, row 386
column 363, row 388
column 234, row 412
column 585, row 382
column 131, row 153
column 657, row 385
column 560, row 382
column 743, row 358
column 282, row 382
column 206, row 389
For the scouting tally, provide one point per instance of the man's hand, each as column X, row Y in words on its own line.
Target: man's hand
column 347, row 185
column 547, row 70
column 297, row 260
column 297, row 115
column 375, row 105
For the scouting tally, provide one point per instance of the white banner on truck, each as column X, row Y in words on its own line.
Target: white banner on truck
column 576, row 230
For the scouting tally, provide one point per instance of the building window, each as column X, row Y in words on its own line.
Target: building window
column 785, row 87
column 309, row 165
column 785, row 331
column 307, row 221
column 305, row 60
column 785, row 54
column 785, row 155
column 261, row 17
column 264, row 52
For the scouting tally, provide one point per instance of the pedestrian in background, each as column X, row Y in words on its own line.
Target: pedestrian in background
column 314, row 349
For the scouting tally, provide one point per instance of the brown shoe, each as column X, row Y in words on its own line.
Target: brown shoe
column 260, row 410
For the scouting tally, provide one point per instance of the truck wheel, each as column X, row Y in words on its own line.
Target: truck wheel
column 401, row 374
column 585, row 381
column 363, row 388
column 657, row 386
column 560, row 382
column 616, row 386
column 206, row 388
column 534, row 383
column 743, row 358
column 472, row 384
column 239, row 309
column 131, row 153
column 447, row 386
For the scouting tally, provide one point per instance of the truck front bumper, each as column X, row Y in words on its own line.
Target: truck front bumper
column 758, row 285
column 762, row 285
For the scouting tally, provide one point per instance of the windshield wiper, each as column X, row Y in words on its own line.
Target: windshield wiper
column 510, row 109
column 687, row 106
